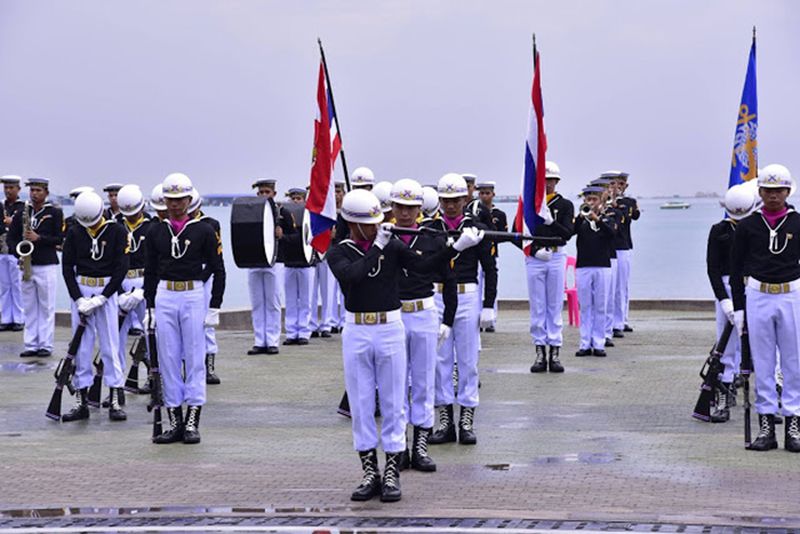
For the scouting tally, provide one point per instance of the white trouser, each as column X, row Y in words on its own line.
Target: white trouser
column 609, row 296
column 102, row 324
column 546, row 298
column 263, row 284
column 375, row 356
column 621, row 288
column 134, row 317
column 39, row 302
column 593, row 285
column 180, row 335
column 10, row 296
column 773, row 322
column 298, row 310
column 422, row 334
column 462, row 345
column 482, row 284
column 322, row 298
column 732, row 356
column 280, row 278
column 338, row 311
column 210, row 331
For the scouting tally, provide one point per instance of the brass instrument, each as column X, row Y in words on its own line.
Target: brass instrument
column 586, row 209
column 25, row 247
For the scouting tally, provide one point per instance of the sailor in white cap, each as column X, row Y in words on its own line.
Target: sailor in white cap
column 95, row 263
column 368, row 268
column 624, row 256
column 39, row 224
column 298, row 271
column 112, row 212
column 264, row 284
column 740, row 201
column 362, row 178
column 498, row 222
column 182, row 254
column 12, row 316
column 765, row 249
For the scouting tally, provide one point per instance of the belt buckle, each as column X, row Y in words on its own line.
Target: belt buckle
column 419, row 305
column 91, row 282
column 774, row 289
column 460, row 288
column 408, row 307
column 370, row 318
column 180, row 286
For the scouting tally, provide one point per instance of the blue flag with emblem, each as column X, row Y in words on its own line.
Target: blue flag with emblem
column 744, row 160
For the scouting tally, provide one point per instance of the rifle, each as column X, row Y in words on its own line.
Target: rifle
column 710, row 372
column 156, row 391
column 97, row 384
column 138, row 355
column 64, row 372
column 496, row 236
column 745, row 370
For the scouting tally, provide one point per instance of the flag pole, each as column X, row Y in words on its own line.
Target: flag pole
column 335, row 115
column 534, row 49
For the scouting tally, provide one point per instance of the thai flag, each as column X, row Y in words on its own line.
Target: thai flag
column 532, row 199
column 321, row 203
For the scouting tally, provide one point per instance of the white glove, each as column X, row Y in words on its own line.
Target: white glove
column 726, row 305
column 384, row 235
column 543, row 254
column 124, row 302
column 97, row 301
column 444, row 333
column 738, row 321
column 84, row 305
column 487, row 317
column 547, row 217
column 138, row 296
column 469, row 237
column 212, row 317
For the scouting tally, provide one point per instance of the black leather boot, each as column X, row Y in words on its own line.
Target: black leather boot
column 466, row 435
column 211, row 376
column 765, row 440
column 115, row 411
column 555, row 361
column 107, row 401
column 370, row 485
column 540, row 363
column 446, row 431
column 419, row 451
column 81, row 409
column 721, row 413
column 175, row 433
column 390, row 486
column 792, row 433
column 191, row 427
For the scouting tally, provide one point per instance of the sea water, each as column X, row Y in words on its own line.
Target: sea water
column 668, row 261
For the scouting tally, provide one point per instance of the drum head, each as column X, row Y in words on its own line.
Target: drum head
column 253, row 232
column 308, row 250
column 270, row 244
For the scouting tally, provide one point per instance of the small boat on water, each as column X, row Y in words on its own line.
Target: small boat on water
column 675, row 205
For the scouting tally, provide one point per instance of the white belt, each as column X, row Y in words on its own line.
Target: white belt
column 460, row 288
column 410, row 306
column 773, row 289
column 373, row 317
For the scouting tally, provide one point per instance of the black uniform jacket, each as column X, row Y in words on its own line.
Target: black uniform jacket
column 767, row 260
column 563, row 227
column 104, row 256
column 595, row 243
column 480, row 212
column 10, row 209
column 370, row 280
column 465, row 264
column 718, row 255
column 632, row 213
column 194, row 256
column 137, row 234
column 419, row 284
column 48, row 223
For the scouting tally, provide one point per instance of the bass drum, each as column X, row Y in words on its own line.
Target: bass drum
column 302, row 221
column 253, row 222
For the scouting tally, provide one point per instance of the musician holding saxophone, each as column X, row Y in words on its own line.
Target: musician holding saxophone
column 33, row 236
column 13, row 317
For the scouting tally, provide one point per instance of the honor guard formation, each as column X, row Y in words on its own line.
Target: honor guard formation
column 409, row 279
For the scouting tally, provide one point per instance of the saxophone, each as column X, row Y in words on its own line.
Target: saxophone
column 25, row 247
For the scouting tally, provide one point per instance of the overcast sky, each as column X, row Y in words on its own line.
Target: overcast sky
column 99, row 91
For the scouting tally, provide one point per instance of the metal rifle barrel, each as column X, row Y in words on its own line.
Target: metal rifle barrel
column 489, row 234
